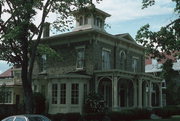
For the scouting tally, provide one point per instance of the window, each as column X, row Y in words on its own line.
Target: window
column 81, row 21
column 63, row 94
column 135, row 64
column 42, row 65
column 74, row 93
column 54, row 93
column 80, row 57
column 106, row 59
column 43, row 90
column 85, row 20
column 122, row 60
column 6, row 96
column 35, row 88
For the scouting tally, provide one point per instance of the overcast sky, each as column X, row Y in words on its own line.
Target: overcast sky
column 127, row 17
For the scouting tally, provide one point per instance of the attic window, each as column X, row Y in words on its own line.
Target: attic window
column 98, row 22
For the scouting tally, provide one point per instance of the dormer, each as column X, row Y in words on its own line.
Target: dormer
column 90, row 17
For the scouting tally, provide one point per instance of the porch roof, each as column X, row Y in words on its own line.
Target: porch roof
column 126, row 74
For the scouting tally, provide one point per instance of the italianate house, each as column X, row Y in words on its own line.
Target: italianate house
column 94, row 60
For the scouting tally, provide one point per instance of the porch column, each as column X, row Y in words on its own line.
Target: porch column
column 96, row 85
column 140, row 93
column 115, row 92
column 150, row 94
column 160, row 95
column 135, row 94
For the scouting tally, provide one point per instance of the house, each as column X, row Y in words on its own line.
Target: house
column 94, row 60
column 154, row 67
column 11, row 87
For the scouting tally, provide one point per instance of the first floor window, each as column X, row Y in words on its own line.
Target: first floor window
column 74, row 93
column 63, row 94
column 54, row 93
column 6, row 97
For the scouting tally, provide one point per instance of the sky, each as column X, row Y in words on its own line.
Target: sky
column 127, row 17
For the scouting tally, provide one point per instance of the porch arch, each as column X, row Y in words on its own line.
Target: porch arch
column 125, row 93
column 105, row 89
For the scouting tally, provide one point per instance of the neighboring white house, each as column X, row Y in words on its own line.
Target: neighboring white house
column 152, row 66
column 13, row 92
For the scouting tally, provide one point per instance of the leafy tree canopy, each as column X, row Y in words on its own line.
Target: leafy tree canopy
column 166, row 41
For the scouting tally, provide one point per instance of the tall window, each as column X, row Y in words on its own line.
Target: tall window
column 106, row 59
column 74, row 93
column 135, row 64
column 54, row 93
column 122, row 60
column 42, row 64
column 63, row 94
column 80, row 57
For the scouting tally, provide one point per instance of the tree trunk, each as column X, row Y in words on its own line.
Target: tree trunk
column 26, row 81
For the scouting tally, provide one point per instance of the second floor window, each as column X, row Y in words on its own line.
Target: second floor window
column 135, row 64
column 122, row 60
column 106, row 59
column 80, row 58
column 42, row 64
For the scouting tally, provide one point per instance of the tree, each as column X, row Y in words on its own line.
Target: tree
column 20, row 36
column 164, row 42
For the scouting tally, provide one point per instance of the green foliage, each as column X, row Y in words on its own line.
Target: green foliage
column 166, row 41
column 161, row 43
column 94, row 103
column 49, row 52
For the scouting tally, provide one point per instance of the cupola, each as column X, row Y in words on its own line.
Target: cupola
column 90, row 17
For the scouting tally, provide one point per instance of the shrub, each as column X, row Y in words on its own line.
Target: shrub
column 72, row 117
column 94, row 103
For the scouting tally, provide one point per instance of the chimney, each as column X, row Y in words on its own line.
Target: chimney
column 46, row 29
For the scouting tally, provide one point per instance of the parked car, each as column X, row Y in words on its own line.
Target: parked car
column 27, row 117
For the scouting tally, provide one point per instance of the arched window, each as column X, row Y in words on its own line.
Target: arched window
column 122, row 60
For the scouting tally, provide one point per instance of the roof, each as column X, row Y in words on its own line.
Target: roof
column 93, row 10
column 8, row 73
column 88, row 31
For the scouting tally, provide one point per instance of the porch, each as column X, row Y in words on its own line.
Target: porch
column 123, row 90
